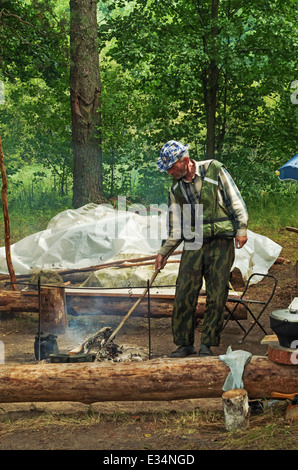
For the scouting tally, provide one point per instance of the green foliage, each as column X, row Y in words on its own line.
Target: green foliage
column 155, row 58
column 166, row 48
column 35, row 128
column 34, row 41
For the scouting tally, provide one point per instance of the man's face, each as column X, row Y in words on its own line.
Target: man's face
column 179, row 169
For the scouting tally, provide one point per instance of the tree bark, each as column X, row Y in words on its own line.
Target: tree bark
column 160, row 379
column 210, row 82
column 85, row 89
column 6, row 221
column 236, row 409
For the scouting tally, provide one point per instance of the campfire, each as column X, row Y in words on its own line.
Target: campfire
column 96, row 348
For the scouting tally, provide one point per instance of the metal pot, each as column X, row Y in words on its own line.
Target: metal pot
column 45, row 345
column 284, row 323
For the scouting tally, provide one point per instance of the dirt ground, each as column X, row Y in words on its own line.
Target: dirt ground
column 121, row 426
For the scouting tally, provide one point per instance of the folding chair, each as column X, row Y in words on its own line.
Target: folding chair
column 248, row 304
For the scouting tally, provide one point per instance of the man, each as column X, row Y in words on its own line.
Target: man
column 206, row 183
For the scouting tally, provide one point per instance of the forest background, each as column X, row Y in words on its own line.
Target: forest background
column 219, row 75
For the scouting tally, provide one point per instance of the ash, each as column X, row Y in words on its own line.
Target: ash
column 116, row 353
column 112, row 351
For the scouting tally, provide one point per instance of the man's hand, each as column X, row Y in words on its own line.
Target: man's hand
column 240, row 242
column 160, row 262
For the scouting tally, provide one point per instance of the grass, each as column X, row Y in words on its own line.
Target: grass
column 268, row 215
column 273, row 213
column 196, row 429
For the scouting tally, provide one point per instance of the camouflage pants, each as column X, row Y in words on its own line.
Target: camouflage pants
column 213, row 261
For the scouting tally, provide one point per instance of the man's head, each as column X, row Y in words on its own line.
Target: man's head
column 170, row 153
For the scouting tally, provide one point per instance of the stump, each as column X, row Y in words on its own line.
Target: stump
column 236, row 409
column 53, row 310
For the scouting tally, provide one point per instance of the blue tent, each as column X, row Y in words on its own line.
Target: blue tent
column 289, row 171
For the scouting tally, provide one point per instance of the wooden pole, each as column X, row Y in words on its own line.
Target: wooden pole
column 6, row 221
column 160, row 379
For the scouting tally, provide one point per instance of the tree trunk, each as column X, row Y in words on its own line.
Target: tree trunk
column 85, row 89
column 210, row 82
column 160, row 379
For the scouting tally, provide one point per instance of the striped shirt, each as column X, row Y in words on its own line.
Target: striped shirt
column 229, row 198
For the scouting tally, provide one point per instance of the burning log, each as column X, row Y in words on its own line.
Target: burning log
column 161, row 379
column 103, row 334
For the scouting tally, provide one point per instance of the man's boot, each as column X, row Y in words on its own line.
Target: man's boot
column 184, row 351
column 204, row 351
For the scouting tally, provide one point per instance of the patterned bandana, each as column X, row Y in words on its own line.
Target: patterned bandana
column 170, row 153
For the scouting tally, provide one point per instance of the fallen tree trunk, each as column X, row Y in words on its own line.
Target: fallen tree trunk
column 161, row 379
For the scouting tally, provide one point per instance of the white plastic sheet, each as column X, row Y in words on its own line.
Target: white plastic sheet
column 94, row 234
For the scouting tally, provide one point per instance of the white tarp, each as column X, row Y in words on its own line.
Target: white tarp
column 94, row 234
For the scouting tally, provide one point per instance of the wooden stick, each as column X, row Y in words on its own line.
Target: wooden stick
column 292, row 229
column 6, row 221
column 79, row 348
column 117, row 264
column 139, row 300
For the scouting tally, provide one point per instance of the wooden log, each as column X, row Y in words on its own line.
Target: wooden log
column 279, row 260
column 282, row 355
column 80, row 303
column 19, row 301
column 160, row 379
column 291, row 413
column 292, row 229
column 53, row 317
column 236, row 409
